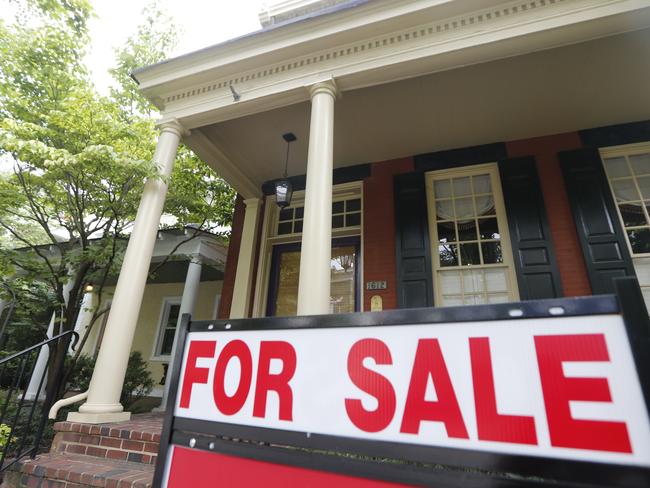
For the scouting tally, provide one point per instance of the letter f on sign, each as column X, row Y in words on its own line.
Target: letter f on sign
column 194, row 374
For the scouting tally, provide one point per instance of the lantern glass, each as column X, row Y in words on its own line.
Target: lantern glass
column 283, row 193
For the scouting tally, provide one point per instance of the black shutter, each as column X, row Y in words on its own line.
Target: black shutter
column 601, row 236
column 537, row 272
column 414, row 280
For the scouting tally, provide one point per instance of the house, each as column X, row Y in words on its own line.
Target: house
column 190, row 278
column 186, row 273
column 445, row 153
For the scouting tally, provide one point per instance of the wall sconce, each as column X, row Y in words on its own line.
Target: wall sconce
column 283, row 189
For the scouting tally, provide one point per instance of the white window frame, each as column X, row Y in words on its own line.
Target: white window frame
column 167, row 303
column 625, row 150
column 469, row 170
column 640, row 261
column 343, row 191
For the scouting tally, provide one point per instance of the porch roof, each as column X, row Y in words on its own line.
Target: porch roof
column 416, row 77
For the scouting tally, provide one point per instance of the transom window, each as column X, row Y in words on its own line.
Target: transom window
column 345, row 213
column 629, row 177
column 470, row 249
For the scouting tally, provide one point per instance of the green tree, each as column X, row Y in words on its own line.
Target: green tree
column 78, row 160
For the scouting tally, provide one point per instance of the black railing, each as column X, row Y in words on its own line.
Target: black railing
column 23, row 413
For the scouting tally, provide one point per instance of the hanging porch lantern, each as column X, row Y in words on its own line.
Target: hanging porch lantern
column 283, row 189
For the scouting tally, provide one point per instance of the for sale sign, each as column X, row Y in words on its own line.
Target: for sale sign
column 562, row 388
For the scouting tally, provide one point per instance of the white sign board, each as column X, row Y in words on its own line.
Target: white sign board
column 564, row 387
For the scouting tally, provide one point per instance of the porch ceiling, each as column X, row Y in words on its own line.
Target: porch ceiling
column 591, row 84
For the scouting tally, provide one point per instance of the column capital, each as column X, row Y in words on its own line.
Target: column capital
column 326, row 86
column 252, row 202
column 173, row 126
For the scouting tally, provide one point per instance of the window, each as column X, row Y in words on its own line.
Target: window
column 345, row 213
column 344, row 273
column 629, row 179
column 471, row 252
column 628, row 173
column 167, row 326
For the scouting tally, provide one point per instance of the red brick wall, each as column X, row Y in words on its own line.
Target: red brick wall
column 573, row 272
column 379, row 262
column 231, row 260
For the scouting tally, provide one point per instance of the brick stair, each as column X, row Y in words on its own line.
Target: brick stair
column 120, row 455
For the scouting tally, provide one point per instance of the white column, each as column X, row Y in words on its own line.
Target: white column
column 103, row 403
column 316, row 251
column 88, row 304
column 241, row 298
column 188, row 304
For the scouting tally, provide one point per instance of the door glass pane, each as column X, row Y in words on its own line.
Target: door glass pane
column 287, row 297
column 342, row 269
column 343, row 281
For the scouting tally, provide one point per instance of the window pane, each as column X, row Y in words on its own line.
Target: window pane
column 485, row 205
column 448, row 255
column 445, row 210
column 644, row 186
column 284, row 228
column 492, row 252
column 452, row 301
column 498, row 298
column 442, row 189
column 353, row 205
column 337, row 207
column 467, row 231
column 474, row 299
column 624, row 190
column 640, row 163
column 287, row 295
column 495, row 280
column 297, row 226
column 342, row 296
column 286, row 214
column 639, row 240
column 168, row 342
column 300, row 212
column 616, row 167
column 489, row 229
column 450, row 282
column 337, row 221
column 464, row 208
column 353, row 219
column 469, row 254
column 446, row 231
column 632, row 214
column 462, row 187
column 172, row 318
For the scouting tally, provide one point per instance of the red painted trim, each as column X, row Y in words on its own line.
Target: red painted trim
column 573, row 272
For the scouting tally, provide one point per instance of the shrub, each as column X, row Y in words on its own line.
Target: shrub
column 138, row 382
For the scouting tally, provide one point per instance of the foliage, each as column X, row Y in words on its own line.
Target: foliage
column 79, row 160
column 138, row 382
column 5, row 434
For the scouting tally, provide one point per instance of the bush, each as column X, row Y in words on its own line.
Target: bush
column 138, row 382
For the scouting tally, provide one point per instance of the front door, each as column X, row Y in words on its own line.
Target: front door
column 285, row 268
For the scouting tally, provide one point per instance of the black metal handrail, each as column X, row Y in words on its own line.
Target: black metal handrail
column 22, row 419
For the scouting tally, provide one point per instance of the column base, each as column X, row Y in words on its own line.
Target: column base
column 98, row 418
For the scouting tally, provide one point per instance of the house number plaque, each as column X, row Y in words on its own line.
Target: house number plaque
column 376, row 285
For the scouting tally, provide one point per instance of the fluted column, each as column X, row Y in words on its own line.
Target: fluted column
column 103, row 403
column 316, row 250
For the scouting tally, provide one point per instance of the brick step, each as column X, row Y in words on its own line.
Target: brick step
column 63, row 470
column 136, row 440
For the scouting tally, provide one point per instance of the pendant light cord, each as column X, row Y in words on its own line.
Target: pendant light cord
column 286, row 162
